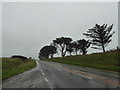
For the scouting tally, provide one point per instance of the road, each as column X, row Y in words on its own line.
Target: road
column 55, row 75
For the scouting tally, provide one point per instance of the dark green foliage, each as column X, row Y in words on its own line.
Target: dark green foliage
column 61, row 44
column 47, row 51
column 83, row 45
column 101, row 35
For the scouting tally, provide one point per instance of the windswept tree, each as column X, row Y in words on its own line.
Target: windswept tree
column 83, row 45
column 61, row 44
column 47, row 51
column 101, row 36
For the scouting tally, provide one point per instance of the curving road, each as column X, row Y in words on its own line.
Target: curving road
column 55, row 75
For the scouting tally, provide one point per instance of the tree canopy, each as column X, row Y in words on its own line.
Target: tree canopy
column 101, row 36
column 62, row 43
column 83, row 45
column 47, row 51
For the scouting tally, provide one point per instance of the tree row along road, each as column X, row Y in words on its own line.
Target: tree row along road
column 56, row 75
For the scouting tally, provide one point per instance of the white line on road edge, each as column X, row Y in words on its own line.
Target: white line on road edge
column 46, row 79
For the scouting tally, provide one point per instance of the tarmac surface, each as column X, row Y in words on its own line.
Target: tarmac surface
column 56, row 75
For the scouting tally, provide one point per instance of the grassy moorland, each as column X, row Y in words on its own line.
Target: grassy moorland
column 12, row 66
column 107, row 61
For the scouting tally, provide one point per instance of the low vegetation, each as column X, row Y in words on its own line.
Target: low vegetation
column 13, row 66
column 106, row 61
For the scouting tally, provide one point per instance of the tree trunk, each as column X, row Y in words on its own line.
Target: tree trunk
column 103, row 48
column 62, row 54
column 76, row 51
column 70, row 53
column 84, row 52
column 51, row 55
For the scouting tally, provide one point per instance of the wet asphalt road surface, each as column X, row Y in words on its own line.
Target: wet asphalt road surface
column 55, row 75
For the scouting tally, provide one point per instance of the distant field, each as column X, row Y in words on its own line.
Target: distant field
column 11, row 67
column 107, row 61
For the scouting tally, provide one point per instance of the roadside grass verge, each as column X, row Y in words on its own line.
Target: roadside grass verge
column 13, row 66
column 107, row 61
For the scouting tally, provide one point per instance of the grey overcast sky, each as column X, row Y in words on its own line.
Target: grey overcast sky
column 28, row 26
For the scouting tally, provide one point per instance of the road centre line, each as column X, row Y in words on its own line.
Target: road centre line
column 85, row 76
column 88, row 77
column 46, row 79
column 43, row 74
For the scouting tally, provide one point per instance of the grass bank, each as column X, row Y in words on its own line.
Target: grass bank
column 13, row 66
column 107, row 61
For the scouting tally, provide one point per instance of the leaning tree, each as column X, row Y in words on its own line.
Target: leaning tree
column 61, row 44
column 83, row 45
column 101, row 36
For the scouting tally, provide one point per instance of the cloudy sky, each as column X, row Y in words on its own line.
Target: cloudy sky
column 28, row 26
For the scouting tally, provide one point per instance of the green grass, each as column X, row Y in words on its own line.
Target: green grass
column 107, row 61
column 11, row 67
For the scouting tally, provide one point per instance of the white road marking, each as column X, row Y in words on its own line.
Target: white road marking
column 43, row 74
column 41, row 70
column 86, row 76
column 46, row 79
column 89, row 77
